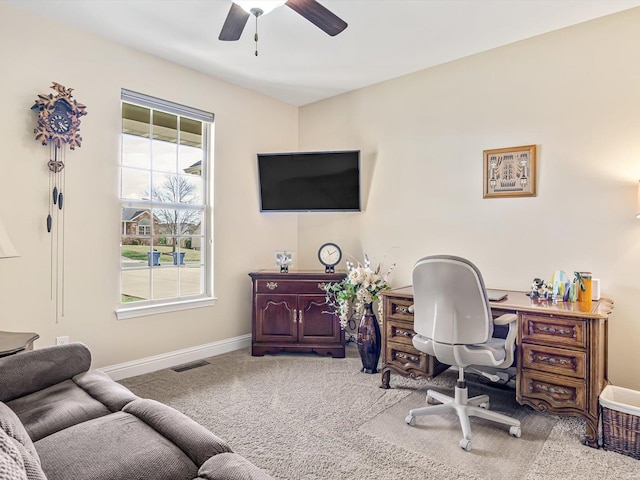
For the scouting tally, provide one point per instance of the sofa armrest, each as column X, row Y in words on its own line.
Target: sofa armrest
column 31, row 371
column 225, row 466
column 193, row 439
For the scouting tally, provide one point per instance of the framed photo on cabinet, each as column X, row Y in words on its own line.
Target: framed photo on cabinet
column 510, row 172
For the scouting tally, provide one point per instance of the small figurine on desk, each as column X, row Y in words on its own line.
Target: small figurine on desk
column 541, row 289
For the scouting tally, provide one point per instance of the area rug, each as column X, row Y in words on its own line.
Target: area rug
column 306, row 417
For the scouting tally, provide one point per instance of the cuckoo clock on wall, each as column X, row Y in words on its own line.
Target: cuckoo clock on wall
column 58, row 127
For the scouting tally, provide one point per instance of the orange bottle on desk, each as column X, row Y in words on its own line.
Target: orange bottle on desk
column 585, row 279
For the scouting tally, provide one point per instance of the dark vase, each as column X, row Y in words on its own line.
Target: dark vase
column 369, row 341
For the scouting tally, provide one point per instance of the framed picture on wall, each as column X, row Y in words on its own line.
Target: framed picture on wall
column 510, row 172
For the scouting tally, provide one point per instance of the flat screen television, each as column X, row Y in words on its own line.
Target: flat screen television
column 309, row 181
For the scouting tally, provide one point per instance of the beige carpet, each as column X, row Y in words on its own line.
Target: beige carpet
column 308, row 417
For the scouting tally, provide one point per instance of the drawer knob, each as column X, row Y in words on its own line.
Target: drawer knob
column 554, row 360
column 404, row 356
column 404, row 333
column 272, row 285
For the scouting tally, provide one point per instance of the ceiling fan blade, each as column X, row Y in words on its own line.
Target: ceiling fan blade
column 234, row 23
column 319, row 15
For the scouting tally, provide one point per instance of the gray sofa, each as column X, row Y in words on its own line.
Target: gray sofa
column 60, row 420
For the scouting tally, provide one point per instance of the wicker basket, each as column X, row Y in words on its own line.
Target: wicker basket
column 621, row 420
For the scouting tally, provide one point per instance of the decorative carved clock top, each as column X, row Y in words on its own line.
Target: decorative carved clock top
column 59, row 117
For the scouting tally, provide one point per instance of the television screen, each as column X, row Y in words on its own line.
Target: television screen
column 309, row 181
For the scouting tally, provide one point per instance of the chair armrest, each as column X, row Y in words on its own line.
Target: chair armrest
column 505, row 319
column 33, row 370
column 510, row 319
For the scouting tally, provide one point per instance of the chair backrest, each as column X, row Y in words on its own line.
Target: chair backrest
column 450, row 301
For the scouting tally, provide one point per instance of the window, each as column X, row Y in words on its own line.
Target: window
column 166, row 260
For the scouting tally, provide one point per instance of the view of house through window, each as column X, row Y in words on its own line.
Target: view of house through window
column 164, row 242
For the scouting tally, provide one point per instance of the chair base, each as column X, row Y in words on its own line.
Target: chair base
column 465, row 407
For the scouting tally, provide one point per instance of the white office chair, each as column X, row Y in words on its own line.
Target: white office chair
column 453, row 322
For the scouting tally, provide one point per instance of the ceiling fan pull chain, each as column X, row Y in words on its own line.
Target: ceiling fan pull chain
column 255, row 36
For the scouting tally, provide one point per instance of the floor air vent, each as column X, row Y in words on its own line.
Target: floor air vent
column 189, row 366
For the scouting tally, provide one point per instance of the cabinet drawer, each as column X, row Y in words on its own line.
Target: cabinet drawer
column 406, row 358
column 554, row 360
column 400, row 332
column 552, row 330
column 398, row 308
column 556, row 390
column 277, row 285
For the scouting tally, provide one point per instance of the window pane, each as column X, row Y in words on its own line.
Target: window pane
column 165, row 281
column 165, row 126
column 190, row 189
column 136, row 285
column 134, row 252
column 165, row 156
column 178, row 222
column 136, row 152
column 191, row 132
column 190, row 160
column 191, row 280
column 192, row 249
column 135, row 184
column 136, row 120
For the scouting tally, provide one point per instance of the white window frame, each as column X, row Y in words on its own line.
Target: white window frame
column 149, row 307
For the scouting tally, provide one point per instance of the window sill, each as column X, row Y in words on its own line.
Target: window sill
column 141, row 311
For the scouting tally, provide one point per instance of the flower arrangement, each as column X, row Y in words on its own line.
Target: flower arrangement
column 360, row 287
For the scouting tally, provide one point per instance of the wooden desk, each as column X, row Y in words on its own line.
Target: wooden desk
column 14, row 342
column 561, row 354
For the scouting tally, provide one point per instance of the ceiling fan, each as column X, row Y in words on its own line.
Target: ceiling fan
column 313, row 11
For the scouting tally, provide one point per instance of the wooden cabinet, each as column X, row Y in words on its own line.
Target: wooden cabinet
column 561, row 352
column 289, row 314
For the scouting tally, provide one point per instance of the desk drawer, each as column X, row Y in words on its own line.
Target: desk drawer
column 400, row 332
column 398, row 308
column 556, row 390
column 554, row 360
column 553, row 330
column 406, row 358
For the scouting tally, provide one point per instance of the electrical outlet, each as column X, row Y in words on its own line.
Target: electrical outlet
column 62, row 340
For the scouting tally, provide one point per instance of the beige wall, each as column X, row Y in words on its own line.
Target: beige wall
column 32, row 57
column 575, row 93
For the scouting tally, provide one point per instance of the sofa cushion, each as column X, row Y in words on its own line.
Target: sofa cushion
column 230, row 466
column 37, row 369
column 116, row 446
column 55, row 408
column 100, row 386
column 194, row 439
column 12, row 426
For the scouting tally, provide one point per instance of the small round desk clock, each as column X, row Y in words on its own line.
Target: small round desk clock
column 329, row 255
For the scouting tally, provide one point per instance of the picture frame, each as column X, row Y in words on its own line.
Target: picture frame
column 510, row 172
column 283, row 259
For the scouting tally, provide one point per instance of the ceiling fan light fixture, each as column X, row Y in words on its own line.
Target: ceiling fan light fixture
column 262, row 6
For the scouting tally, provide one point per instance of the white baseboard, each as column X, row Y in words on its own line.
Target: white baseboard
column 171, row 359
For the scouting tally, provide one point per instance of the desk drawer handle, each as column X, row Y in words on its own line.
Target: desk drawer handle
column 553, row 330
column 547, row 388
column 554, row 360
column 272, row 285
column 404, row 356
column 403, row 309
column 404, row 333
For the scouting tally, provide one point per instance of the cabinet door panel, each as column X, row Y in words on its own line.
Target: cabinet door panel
column 276, row 318
column 315, row 325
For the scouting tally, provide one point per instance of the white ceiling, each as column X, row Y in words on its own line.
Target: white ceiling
column 297, row 62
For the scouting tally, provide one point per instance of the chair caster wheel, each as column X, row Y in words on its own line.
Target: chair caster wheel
column 515, row 432
column 485, row 405
column 411, row 420
column 465, row 445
